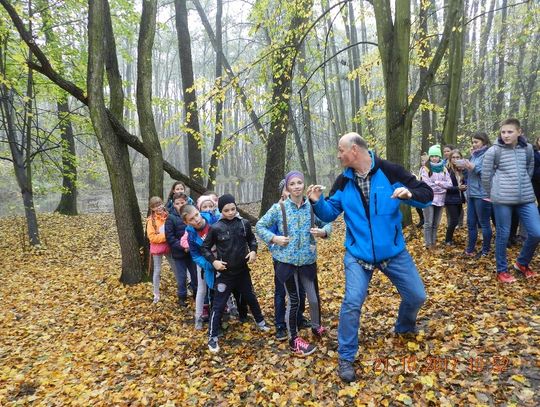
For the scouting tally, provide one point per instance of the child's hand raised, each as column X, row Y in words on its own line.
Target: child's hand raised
column 251, row 257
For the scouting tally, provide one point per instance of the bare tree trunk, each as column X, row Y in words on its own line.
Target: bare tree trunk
column 111, row 65
column 499, row 103
column 306, row 118
column 481, row 67
column 424, row 55
column 455, row 68
column 144, row 97
column 19, row 156
column 115, row 152
column 218, row 133
column 68, row 201
column 188, row 86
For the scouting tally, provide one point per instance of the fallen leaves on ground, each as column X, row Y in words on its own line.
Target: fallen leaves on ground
column 72, row 334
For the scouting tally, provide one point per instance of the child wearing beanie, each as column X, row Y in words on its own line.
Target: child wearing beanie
column 435, row 174
column 236, row 246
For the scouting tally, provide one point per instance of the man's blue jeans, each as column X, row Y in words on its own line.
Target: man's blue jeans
column 529, row 218
column 402, row 272
column 478, row 211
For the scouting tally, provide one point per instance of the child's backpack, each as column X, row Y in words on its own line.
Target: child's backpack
column 284, row 216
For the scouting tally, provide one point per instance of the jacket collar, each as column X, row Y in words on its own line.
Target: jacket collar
column 375, row 164
column 521, row 141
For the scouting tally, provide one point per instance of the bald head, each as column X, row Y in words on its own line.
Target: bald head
column 351, row 139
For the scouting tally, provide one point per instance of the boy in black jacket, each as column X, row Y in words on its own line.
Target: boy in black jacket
column 236, row 246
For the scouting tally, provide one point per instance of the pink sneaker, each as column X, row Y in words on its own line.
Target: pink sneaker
column 301, row 348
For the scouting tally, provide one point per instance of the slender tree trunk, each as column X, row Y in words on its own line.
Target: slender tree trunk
column 144, row 97
column 306, row 118
column 499, row 104
column 455, row 68
column 111, row 65
column 355, row 65
column 481, row 67
column 115, row 152
column 299, row 145
column 68, row 201
column 218, row 133
column 335, row 98
column 424, row 55
column 188, row 86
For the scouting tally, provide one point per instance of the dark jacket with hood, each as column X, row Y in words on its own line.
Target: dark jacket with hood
column 174, row 230
column 233, row 239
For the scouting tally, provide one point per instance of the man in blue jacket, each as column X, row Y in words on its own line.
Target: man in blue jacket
column 369, row 192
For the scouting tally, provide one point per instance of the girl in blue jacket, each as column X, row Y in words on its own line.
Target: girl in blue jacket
column 295, row 252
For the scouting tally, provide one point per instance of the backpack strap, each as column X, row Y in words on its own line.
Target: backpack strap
column 284, row 216
column 496, row 157
column 530, row 154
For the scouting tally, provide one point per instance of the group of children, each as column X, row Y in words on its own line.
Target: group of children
column 498, row 182
column 211, row 245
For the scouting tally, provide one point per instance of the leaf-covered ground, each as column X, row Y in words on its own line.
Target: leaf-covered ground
column 70, row 333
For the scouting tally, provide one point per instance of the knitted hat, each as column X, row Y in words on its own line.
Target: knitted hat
column 281, row 186
column 293, row 174
column 202, row 199
column 224, row 200
column 435, row 151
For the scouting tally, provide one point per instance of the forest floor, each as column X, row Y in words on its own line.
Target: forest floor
column 71, row 334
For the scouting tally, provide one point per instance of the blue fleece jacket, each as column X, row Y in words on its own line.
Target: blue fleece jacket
column 374, row 232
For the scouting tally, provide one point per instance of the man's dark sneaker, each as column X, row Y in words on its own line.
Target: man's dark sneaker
column 182, row 302
column 213, row 345
column 301, row 348
column 346, row 371
column 304, row 324
column 281, row 334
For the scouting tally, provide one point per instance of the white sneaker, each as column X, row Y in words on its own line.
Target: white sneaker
column 213, row 345
column 156, row 298
column 262, row 326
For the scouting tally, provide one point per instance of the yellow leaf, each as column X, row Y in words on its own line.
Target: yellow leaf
column 519, row 378
column 427, row 381
column 413, row 346
column 404, row 399
column 349, row 391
